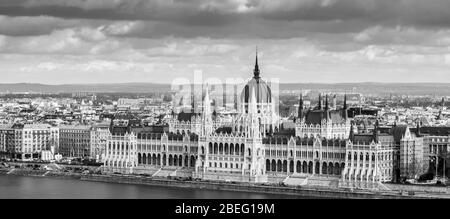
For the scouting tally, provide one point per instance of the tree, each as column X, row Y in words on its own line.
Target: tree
column 415, row 168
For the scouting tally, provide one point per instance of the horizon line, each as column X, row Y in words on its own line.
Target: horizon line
column 156, row 83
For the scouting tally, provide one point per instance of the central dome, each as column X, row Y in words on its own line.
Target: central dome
column 262, row 90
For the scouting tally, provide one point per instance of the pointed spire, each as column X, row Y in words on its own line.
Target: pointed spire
column 418, row 128
column 345, row 101
column 320, row 101
column 344, row 110
column 256, row 70
column 300, row 107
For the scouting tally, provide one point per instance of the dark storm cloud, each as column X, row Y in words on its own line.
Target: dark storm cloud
column 183, row 12
column 234, row 18
column 431, row 12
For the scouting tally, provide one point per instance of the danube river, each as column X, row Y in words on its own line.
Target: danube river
column 25, row 187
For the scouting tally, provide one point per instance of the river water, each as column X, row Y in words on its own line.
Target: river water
column 26, row 187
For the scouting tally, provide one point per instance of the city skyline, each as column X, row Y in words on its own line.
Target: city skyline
column 328, row 41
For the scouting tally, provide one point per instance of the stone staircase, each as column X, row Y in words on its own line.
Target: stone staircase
column 165, row 172
column 323, row 181
column 145, row 170
column 184, row 172
column 296, row 180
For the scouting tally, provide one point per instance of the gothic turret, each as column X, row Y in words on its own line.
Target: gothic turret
column 418, row 128
column 352, row 132
column 376, row 131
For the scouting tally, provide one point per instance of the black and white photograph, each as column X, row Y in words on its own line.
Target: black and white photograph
column 245, row 101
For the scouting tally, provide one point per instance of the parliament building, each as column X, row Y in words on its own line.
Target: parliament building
column 324, row 149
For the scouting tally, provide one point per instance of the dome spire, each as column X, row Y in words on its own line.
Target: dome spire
column 256, row 70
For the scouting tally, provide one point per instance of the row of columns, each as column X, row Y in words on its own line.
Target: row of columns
column 171, row 160
column 305, row 167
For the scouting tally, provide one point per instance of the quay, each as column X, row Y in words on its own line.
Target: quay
column 294, row 191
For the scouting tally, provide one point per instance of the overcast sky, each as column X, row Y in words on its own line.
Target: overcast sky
column 108, row 41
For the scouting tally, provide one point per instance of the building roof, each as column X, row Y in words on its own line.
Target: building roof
column 262, row 90
column 75, row 127
column 315, row 117
column 398, row 132
column 263, row 93
column 435, row 130
column 151, row 129
column 227, row 130
column 182, row 116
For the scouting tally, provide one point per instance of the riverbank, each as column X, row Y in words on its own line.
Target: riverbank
column 224, row 186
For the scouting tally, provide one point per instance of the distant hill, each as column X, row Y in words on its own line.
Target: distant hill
column 69, row 88
column 441, row 89
column 376, row 88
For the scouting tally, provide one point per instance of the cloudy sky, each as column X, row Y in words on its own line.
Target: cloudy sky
column 108, row 41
